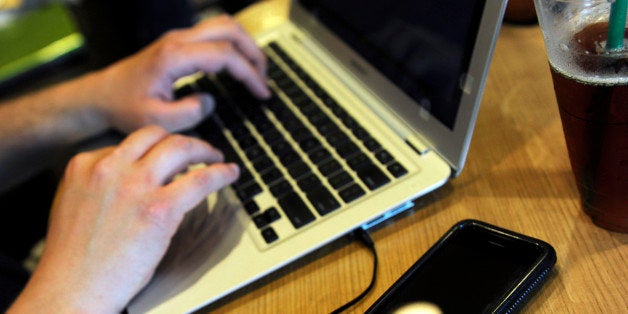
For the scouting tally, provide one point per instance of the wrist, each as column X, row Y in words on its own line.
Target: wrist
column 50, row 288
column 93, row 101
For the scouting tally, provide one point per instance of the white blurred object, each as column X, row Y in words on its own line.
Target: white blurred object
column 419, row 308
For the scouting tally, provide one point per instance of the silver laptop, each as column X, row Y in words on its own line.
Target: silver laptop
column 374, row 106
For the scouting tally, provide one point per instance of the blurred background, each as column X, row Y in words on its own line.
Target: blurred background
column 38, row 37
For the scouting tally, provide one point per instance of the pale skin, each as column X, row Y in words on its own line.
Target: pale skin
column 113, row 217
column 132, row 93
column 117, row 208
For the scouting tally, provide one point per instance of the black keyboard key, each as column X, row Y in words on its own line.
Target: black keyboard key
column 338, row 111
column 309, row 182
column 384, row 157
column 310, row 109
column 309, row 144
column 372, row 176
column 328, row 127
column 351, row 193
column 303, row 75
column 318, row 118
column 275, row 46
column 294, row 93
column 323, row 201
column 281, row 147
column 280, row 109
column 271, row 136
column 357, row 161
column 349, row 122
column 247, row 142
column 289, row 158
column 255, row 152
column 371, row 144
column 319, row 155
column 229, row 116
column 290, row 122
column 340, row 179
column 248, row 192
column 299, row 169
column 205, row 84
column 245, row 177
column 317, row 89
column 262, row 164
column 361, row 133
column 239, row 131
column 260, row 221
column 329, row 102
column 267, row 217
column 397, row 170
column 271, row 176
column 337, row 139
column 330, row 167
column 262, row 124
column 296, row 210
column 297, row 96
column 283, row 82
column 301, row 134
column 269, row 235
column 212, row 133
column 280, row 188
column 347, row 149
column 274, row 71
column 251, row 208
column 276, row 105
column 272, row 214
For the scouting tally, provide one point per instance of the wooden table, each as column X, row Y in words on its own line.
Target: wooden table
column 517, row 176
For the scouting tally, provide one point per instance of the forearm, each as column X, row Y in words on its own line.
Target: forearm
column 130, row 94
column 35, row 128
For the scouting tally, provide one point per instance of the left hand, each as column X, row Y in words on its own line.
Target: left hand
column 138, row 90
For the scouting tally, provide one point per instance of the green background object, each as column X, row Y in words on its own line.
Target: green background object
column 32, row 38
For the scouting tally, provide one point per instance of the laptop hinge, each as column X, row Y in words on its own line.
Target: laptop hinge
column 417, row 145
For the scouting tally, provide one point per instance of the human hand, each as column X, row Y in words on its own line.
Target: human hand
column 138, row 91
column 113, row 218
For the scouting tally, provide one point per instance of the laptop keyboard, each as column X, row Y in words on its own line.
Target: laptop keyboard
column 300, row 145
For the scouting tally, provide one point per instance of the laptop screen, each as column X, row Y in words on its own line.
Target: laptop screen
column 424, row 49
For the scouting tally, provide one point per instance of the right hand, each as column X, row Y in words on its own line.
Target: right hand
column 114, row 216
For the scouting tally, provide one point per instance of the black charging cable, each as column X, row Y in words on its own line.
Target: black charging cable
column 365, row 238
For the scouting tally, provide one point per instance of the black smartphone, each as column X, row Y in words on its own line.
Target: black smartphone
column 474, row 268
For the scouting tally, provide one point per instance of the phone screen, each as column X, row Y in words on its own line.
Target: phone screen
column 471, row 270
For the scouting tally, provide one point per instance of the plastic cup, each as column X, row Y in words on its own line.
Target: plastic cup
column 591, row 86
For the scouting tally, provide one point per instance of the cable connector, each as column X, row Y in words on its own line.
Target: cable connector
column 364, row 237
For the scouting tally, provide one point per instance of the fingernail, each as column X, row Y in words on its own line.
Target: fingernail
column 207, row 103
column 267, row 92
column 235, row 168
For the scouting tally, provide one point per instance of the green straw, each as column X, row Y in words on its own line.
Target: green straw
column 616, row 25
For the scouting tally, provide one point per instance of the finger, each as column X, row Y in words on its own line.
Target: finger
column 183, row 113
column 174, row 154
column 83, row 163
column 193, row 187
column 77, row 174
column 225, row 28
column 214, row 57
column 134, row 146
